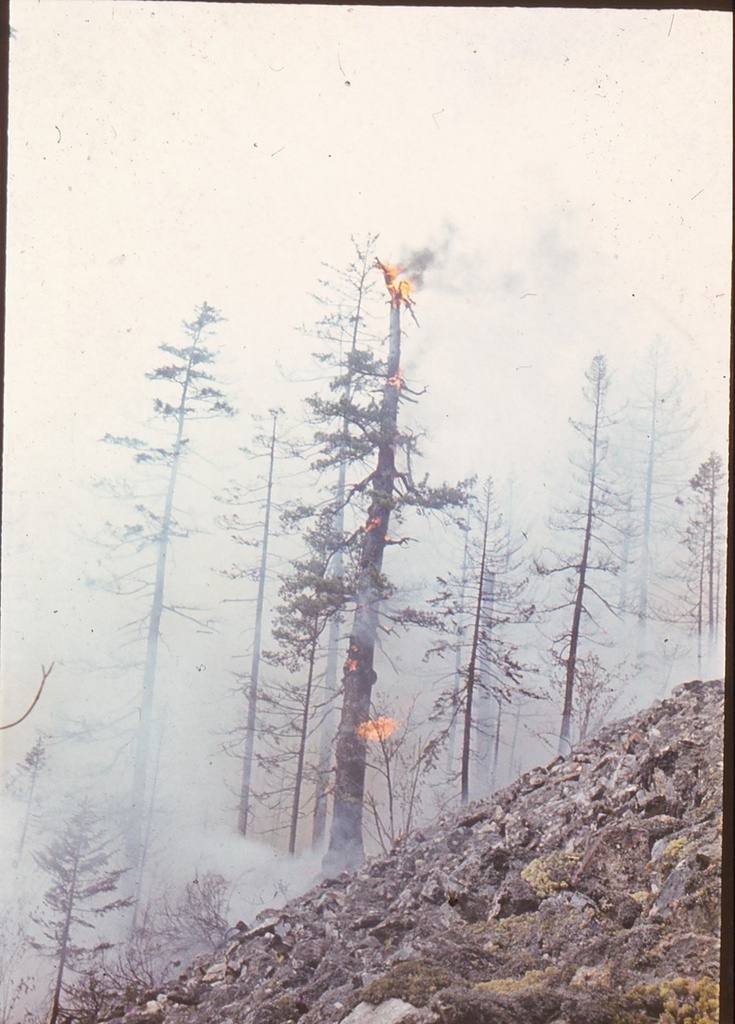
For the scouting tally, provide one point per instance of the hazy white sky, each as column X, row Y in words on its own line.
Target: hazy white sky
column 572, row 168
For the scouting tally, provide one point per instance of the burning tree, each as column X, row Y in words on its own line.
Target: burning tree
column 345, row 326
column 390, row 490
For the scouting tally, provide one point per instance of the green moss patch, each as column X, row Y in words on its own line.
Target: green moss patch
column 414, row 981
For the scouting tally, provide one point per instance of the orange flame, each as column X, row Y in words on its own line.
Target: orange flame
column 396, row 382
column 373, row 524
column 350, row 665
column 399, row 287
column 378, row 728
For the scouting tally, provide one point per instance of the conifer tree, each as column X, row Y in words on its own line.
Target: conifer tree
column 595, row 523
column 346, row 328
column 240, row 531
column 703, row 540
column 482, row 609
column 356, row 433
column 655, row 454
column 313, row 593
column 28, row 772
column 77, row 861
column 195, row 396
column 389, row 491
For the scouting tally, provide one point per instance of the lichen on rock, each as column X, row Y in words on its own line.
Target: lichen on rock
column 587, row 892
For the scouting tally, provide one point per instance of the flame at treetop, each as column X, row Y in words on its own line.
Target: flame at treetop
column 399, row 287
column 377, row 728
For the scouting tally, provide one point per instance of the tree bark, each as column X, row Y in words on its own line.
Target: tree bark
column 66, row 932
column 472, row 672
column 243, row 812
column 645, row 562
column 346, row 840
column 452, row 735
column 303, row 736
column 571, row 662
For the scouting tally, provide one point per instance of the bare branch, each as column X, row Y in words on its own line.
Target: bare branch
column 45, row 674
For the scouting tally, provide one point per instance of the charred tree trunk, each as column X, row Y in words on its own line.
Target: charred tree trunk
column 303, row 736
column 645, row 561
column 571, row 660
column 346, row 841
column 452, row 735
column 472, row 672
column 246, row 778
column 485, row 724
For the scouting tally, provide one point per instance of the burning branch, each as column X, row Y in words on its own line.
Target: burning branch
column 377, row 728
column 399, row 287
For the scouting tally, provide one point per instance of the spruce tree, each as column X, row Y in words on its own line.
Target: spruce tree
column 594, row 522
column 194, row 396
column 77, row 861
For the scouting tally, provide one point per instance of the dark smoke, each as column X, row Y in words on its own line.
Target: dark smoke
column 417, row 263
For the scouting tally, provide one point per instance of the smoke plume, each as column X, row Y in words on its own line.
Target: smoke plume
column 417, row 263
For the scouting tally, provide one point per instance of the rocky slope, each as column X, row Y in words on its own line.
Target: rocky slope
column 585, row 893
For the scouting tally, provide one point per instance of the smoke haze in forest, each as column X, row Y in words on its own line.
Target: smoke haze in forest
column 549, row 200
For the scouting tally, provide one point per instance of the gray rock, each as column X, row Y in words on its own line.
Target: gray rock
column 392, row 1011
column 544, row 905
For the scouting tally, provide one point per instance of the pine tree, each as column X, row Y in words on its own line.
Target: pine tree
column 659, row 430
column 595, row 521
column 313, row 593
column 356, row 433
column 239, row 531
column 33, row 764
column 77, row 861
column 483, row 608
column 703, row 540
column 390, row 490
column 195, row 397
column 345, row 327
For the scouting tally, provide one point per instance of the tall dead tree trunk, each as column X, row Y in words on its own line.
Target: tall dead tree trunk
column 598, row 381
column 452, row 734
column 472, row 671
column 486, row 702
column 303, row 737
column 243, row 812
column 346, row 840
column 644, row 568
column 143, row 739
